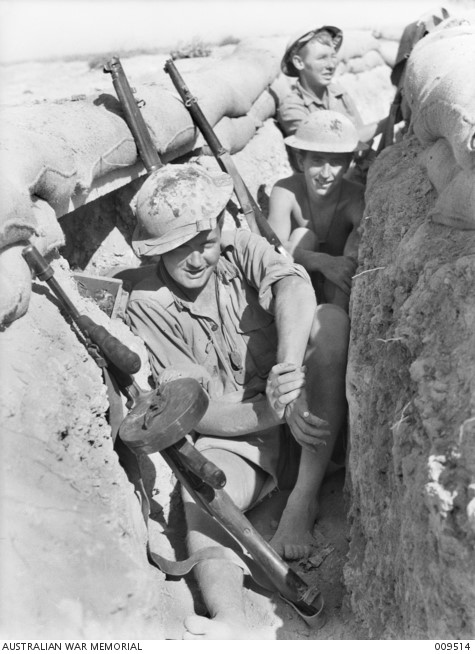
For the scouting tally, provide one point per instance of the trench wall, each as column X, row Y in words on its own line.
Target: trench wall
column 411, row 369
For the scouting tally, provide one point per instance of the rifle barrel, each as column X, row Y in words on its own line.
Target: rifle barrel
column 133, row 116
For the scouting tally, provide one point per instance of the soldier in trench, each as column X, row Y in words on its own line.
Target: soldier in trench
column 316, row 213
column 228, row 310
column 312, row 59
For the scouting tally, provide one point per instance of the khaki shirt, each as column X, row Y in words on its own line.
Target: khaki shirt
column 239, row 352
column 298, row 104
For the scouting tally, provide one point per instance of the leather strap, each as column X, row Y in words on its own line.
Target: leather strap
column 129, row 462
column 181, row 568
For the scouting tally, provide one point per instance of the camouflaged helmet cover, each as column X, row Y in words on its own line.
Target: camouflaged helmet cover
column 175, row 203
column 326, row 131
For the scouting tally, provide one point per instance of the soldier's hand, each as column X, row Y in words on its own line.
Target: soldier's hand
column 340, row 270
column 310, row 431
column 284, row 385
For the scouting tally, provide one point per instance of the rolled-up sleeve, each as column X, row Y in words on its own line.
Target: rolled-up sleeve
column 262, row 266
column 292, row 111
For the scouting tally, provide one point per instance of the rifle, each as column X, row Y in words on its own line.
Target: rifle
column 133, row 115
column 252, row 212
column 158, row 421
column 387, row 137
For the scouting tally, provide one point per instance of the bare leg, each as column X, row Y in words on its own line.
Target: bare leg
column 326, row 365
column 334, row 295
column 220, row 581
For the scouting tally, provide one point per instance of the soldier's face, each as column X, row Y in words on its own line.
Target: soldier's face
column 192, row 264
column 323, row 170
column 316, row 63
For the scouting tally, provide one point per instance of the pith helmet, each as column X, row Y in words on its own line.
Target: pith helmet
column 326, row 131
column 175, row 203
column 298, row 41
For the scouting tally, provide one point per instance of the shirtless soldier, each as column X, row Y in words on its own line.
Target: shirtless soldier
column 228, row 310
column 316, row 213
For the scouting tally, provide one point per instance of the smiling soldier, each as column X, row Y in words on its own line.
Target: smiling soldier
column 316, row 213
column 227, row 309
column 312, row 58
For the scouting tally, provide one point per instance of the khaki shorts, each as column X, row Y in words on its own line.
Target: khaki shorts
column 274, row 450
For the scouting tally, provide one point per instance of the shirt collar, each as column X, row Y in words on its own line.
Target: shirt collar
column 225, row 271
column 309, row 98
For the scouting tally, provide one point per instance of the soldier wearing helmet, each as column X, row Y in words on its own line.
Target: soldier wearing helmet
column 312, row 58
column 227, row 309
column 316, row 212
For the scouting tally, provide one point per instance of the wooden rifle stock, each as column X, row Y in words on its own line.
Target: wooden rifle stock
column 123, row 358
column 256, row 220
column 133, row 116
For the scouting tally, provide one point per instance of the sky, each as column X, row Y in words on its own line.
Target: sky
column 38, row 29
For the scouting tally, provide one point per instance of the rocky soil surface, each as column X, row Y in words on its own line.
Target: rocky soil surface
column 411, row 390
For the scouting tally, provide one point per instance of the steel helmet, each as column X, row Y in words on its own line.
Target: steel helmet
column 326, row 131
column 298, row 41
column 175, row 203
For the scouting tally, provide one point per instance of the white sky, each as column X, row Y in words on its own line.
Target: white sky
column 34, row 29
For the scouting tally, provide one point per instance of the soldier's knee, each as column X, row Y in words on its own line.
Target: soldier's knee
column 330, row 333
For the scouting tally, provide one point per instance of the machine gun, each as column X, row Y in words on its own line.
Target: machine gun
column 159, row 421
column 251, row 210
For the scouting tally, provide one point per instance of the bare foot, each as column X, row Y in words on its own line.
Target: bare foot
column 293, row 538
column 224, row 628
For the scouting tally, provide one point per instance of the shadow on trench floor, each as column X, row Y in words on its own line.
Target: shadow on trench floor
column 323, row 569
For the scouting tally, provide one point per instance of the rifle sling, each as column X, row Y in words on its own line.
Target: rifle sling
column 130, row 464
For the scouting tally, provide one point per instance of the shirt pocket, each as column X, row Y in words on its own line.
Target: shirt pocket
column 258, row 332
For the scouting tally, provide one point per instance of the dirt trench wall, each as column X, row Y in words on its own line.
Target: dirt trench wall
column 411, row 390
column 73, row 561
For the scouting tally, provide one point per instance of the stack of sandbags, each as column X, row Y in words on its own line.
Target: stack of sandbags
column 53, row 154
column 360, row 52
column 388, row 37
column 440, row 92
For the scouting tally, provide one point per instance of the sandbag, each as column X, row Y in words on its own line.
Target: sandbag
column 17, row 221
column 264, row 107
column 50, row 236
column 42, row 164
column 455, row 206
column 98, row 141
column 15, row 284
column 228, row 89
column 368, row 61
column 455, row 187
column 388, row 32
column 388, row 51
column 233, row 133
column 440, row 164
column 439, row 89
column 356, row 43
